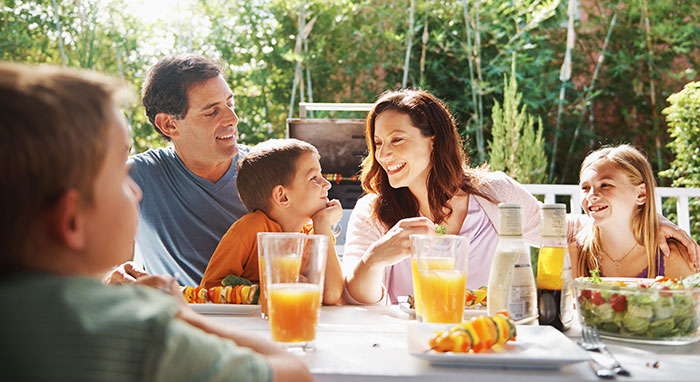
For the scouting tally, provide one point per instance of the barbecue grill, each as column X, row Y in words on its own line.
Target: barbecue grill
column 341, row 144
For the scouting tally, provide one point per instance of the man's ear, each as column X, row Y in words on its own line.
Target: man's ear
column 166, row 124
column 279, row 196
column 65, row 221
column 641, row 195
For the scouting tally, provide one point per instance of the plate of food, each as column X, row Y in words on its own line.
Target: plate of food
column 663, row 311
column 235, row 309
column 493, row 342
column 236, row 299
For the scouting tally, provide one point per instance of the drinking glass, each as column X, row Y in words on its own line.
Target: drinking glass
column 441, row 266
column 262, row 300
column 295, row 266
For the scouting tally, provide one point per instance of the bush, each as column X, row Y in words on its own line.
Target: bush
column 683, row 117
column 516, row 149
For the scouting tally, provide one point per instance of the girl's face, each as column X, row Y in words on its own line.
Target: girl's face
column 401, row 150
column 608, row 196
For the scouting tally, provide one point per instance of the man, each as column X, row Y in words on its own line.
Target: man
column 189, row 189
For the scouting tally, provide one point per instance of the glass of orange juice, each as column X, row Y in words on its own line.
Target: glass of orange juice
column 441, row 267
column 262, row 300
column 295, row 266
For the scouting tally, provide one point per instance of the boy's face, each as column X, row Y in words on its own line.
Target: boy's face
column 110, row 222
column 308, row 192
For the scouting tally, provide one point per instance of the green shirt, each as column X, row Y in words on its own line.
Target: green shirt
column 75, row 328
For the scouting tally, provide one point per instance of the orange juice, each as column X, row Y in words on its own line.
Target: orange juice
column 428, row 263
column 262, row 300
column 294, row 311
column 443, row 295
column 417, row 304
column 286, row 270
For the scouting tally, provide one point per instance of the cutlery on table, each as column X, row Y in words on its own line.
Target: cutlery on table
column 590, row 341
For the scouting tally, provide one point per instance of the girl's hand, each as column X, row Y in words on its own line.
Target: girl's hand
column 669, row 230
column 395, row 245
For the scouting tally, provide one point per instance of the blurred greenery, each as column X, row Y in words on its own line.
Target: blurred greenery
column 683, row 118
column 355, row 50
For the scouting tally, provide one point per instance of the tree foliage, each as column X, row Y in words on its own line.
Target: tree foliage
column 516, row 148
column 356, row 50
column 683, row 118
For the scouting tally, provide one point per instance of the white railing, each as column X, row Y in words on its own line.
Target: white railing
column 682, row 195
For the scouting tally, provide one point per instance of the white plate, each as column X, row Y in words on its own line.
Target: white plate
column 469, row 311
column 225, row 309
column 536, row 347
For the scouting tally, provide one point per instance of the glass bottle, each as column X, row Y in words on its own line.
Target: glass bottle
column 554, row 296
column 511, row 284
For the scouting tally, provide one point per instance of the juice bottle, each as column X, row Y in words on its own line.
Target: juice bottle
column 554, row 295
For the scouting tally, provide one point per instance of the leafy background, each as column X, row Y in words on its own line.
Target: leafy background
column 356, row 49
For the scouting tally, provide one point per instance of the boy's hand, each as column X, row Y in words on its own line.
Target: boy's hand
column 325, row 217
column 126, row 273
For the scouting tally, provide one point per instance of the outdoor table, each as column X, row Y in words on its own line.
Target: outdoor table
column 369, row 343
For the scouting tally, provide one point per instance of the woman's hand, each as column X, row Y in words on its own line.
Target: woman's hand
column 669, row 230
column 364, row 283
column 395, row 245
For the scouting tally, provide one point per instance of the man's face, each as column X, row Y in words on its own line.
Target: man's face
column 110, row 222
column 208, row 133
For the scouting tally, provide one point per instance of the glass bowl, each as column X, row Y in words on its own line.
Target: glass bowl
column 661, row 311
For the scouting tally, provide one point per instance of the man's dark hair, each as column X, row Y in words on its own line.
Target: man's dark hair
column 166, row 85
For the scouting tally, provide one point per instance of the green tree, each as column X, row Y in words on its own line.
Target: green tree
column 516, row 148
column 683, row 118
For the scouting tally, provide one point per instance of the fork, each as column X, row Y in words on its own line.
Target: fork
column 592, row 342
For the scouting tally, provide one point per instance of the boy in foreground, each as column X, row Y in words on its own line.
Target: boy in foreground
column 69, row 214
column 280, row 183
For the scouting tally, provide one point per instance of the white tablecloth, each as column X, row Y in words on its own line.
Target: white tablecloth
column 369, row 343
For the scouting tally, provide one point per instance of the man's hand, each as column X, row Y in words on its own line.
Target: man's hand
column 126, row 273
column 670, row 230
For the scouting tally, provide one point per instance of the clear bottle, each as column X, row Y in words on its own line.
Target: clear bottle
column 511, row 281
column 554, row 295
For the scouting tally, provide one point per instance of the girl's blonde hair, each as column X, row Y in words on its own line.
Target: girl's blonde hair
column 645, row 222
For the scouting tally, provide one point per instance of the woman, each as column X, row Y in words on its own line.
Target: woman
column 416, row 167
column 416, row 176
column 617, row 189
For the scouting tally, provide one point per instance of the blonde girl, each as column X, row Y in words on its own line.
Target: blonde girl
column 621, row 239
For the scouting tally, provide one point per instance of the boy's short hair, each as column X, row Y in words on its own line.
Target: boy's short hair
column 167, row 82
column 53, row 128
column 267, row 165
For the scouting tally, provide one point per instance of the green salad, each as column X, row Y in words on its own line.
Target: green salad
column 660, row 308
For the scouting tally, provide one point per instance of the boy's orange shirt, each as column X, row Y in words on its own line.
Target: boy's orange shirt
column 237, row 252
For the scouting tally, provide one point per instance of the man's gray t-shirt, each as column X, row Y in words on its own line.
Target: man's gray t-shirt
column 183, row 216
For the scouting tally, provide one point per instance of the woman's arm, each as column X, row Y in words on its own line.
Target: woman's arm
column 369, row 248
column 364, row 281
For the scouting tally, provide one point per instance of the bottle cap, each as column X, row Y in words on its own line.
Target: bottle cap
column 510, row 220
column 554, row 220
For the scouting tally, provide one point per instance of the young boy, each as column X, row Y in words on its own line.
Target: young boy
column 280, row 182
column 69, row 213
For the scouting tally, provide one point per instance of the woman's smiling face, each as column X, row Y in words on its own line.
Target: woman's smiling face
column 402, row 151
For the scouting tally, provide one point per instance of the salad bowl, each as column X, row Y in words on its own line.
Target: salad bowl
column 658, row 311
